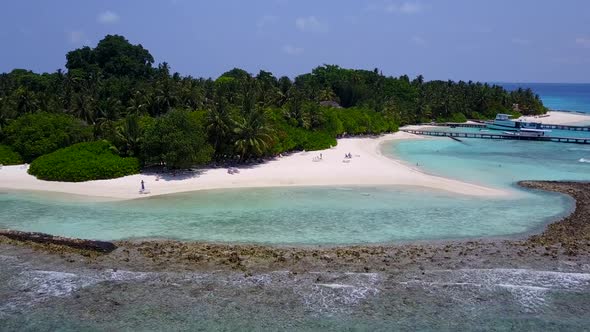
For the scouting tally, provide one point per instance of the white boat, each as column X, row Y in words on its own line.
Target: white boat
column 503, row 122
column 526, row 132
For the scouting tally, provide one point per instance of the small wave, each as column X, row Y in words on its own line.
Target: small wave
column 583, row 160
column 523, row 287
column 4, row 258
column 335, row 286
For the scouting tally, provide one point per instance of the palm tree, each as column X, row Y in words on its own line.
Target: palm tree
column 295, row 111
column 252, row 134
column 165, row 98
column 107, row 112
column 191, row 95
column 218, row 126
column 130, row 134
column 137, row 105
column 83, row 107
column 6, row 114
column 25, row 101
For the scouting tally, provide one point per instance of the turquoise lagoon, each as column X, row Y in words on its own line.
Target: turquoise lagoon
column 333, row 215
column 498, row 163
column 285, row 215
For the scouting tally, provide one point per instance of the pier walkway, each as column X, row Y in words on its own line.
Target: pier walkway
column 486, row 135
column 483, row 125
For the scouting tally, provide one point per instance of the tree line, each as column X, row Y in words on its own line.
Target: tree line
column 115, row 92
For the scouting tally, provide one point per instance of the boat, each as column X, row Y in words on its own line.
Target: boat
column 528, row 132
column 503, row 122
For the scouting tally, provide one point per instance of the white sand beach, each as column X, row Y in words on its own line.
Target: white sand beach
column 558, row 118
column 366, row 167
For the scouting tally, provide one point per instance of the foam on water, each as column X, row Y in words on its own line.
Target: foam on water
column 85, row 298
column 335, row 286
column 337, row 297
column 529, row 288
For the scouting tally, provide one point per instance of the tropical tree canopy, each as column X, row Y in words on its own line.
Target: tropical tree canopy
column 177, row 140
column 115, row 92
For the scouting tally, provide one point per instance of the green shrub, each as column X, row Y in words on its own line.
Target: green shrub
column 9, row 157
column 33, row 135
column 458, row 118
column 83, row 162
column 317, row 140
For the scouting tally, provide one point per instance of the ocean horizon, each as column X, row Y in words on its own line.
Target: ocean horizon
column 571, row 97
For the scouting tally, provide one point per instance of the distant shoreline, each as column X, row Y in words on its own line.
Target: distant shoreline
column 559, row 117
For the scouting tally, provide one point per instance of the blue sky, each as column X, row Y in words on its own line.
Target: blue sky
column 500, row 40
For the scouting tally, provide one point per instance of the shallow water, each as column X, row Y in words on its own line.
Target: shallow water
column 286, row 215
column 69, row 298
column 499, row 163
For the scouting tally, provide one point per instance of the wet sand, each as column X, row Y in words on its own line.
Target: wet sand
column 563, row 246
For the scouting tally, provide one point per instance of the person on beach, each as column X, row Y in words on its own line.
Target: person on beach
column 142, row 185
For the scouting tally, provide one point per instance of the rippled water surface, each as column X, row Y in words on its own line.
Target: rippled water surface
column 498, row 163
column 75, row 299
column 286, row 215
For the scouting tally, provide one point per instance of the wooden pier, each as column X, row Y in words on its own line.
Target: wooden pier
column 487, row 135
column 483, row 125
column 564, row 127
column 455, row 125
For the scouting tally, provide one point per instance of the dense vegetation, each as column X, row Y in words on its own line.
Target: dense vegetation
column 84, row 162
column 33, row 135
column 113, row 92
column 9, row 157
column 177, row 139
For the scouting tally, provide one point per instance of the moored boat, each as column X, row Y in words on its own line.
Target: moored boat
column 528, row 132
column 503, row 122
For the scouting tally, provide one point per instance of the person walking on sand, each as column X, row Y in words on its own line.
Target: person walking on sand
column 142, row 185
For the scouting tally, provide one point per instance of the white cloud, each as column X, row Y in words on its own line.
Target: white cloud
column 419, row 41
column 310, row 23
column 408, row 7
column 108, row 17
column 266, row 20
column 292, row 50
column 77, row 37
column 520, row 41
column 583, row 42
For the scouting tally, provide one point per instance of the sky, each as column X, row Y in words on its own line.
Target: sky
column 480, row 40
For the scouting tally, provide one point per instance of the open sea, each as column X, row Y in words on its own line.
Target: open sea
column 559, row 96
